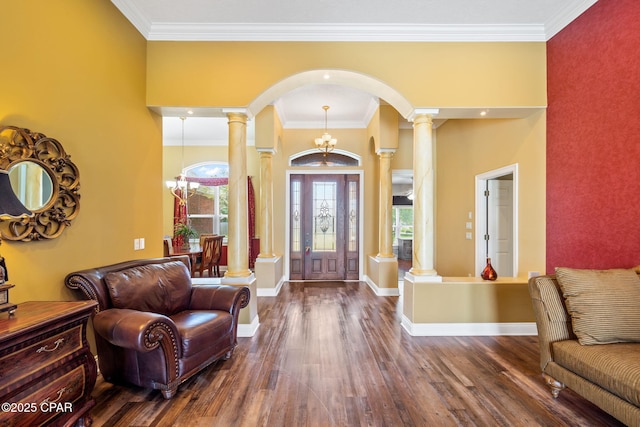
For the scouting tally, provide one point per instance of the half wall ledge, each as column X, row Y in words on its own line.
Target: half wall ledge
column 467, row 306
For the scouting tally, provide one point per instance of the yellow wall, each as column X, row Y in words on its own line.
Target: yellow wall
column 403, row 157
column 503, row 301
column 76, row 71
column 466, row 148
column 228, row 74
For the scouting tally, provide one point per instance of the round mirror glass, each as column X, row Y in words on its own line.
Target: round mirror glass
column 32, row 184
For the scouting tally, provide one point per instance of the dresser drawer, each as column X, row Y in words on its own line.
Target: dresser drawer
column 40, row 403
column 38, row 354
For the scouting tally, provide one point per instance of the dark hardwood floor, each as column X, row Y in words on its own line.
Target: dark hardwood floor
column 334, row 354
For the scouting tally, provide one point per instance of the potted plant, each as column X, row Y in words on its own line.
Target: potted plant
column 182, row 233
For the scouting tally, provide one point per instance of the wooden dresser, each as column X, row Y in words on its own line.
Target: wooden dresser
column 47, row 371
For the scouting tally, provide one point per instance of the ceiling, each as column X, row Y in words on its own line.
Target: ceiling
column 352, row 20
column 337, row 20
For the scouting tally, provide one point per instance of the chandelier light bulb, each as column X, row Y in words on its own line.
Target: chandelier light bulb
column 325, row 143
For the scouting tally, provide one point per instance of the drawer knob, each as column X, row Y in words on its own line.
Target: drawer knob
column 58, row 343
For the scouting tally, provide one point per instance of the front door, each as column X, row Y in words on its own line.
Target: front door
column 324, row 227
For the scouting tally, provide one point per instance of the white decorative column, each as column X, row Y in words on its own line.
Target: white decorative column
column 385, row 240
column 423, row 199
column 382, row 269
column 268, row 267
column 238, row 273
column 238, row 237
column 266, row 203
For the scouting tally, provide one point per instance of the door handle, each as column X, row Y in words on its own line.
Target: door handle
column 307, row 250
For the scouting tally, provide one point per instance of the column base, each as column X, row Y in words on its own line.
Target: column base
column 269, row 273
column 248, row 320
column 422, row 278
column 382, row 275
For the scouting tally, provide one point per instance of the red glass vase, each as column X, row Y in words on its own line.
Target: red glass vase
column 488, row 273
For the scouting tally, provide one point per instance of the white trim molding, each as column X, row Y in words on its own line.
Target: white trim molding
column 271, row 292
column 248, row 330
column 468, row 329
column 381, row 292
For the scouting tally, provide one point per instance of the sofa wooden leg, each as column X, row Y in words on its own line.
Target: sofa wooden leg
column 555, row 385
column 168, row 394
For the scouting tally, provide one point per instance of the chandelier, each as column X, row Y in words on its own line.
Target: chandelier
column 181, row 188
column 325, row 143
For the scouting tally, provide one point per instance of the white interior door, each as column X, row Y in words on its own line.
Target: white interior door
column 500, row 225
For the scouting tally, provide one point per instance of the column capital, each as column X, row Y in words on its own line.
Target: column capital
column 424, row 112
column 236, row 115
column 242, row 111
column 266, row 150
column 387, row 151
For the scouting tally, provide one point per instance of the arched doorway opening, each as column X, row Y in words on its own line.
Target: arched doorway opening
column 265, row 107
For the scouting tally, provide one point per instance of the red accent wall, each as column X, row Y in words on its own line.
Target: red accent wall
column 593, row 139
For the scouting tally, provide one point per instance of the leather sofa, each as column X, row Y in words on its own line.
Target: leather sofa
column 603, row 365
column 153, row 327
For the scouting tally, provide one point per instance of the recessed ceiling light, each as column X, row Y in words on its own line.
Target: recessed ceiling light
column 483, row 112
column 327, row 76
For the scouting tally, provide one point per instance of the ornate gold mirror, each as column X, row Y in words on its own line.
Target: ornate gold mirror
column 45, row 180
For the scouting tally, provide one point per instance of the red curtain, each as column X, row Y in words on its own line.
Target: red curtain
column 251, row 210
column 211, row 182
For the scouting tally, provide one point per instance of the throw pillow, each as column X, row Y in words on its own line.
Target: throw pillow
column 159, row 288
column 604, row 304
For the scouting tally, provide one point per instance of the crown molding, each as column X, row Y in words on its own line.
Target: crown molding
column 342, row 32
column 221, row 31
column 134, row 15
column 561, row 20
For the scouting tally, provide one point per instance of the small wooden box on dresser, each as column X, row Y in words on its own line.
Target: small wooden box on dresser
column 47, row 372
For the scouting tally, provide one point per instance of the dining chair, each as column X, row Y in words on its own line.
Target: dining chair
column 204, row 236
column 217, row 254
column 211, row 254
column 168, row 246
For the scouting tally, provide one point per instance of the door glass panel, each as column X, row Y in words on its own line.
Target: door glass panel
column 324, row 217
column 353, row 215
column 296, row 230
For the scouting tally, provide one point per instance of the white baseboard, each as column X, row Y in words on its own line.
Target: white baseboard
column 468, row 329
column 248, row 330
column 271, row 292
column 381, row 292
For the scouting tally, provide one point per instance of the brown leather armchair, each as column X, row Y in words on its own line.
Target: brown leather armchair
column 153, row 328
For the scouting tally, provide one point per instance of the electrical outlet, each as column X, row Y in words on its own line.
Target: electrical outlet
column 468, row 225
column 468, row 236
